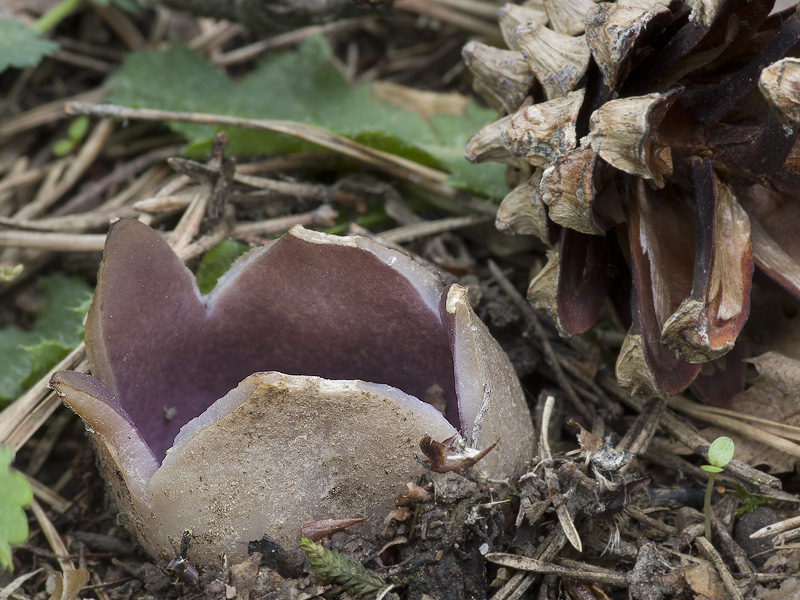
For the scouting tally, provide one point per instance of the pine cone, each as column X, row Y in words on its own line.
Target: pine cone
column 657, row 146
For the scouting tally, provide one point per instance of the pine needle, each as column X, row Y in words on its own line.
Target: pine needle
column 342, row 570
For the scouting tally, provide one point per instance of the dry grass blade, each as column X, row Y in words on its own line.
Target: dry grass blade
column 407, row 233
column 563, row 512
column 395, row 166
column 750, row 477
column 40, row 491
column 322, row 216
column 89, row 152
column 550, row 355
column 713, row 556
column 54, row 241
column 544, row 442
column 8, row 590
column 41, row 115
column 587, row 573
column 734, row 424
column 454, row 15
column 782, row 429
column 53, row 538
column 23, row 417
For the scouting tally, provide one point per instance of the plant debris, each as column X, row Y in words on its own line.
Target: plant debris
column 612, row 512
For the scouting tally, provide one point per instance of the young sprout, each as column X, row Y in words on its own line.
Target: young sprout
column 720, row 453
column 75, row 133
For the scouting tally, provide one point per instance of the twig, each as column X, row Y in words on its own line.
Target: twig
column 638, row 437
column 713, row 556
column 17, row 179
column 217, row 33
column 407, row 233
column 83, row 61
column 734, row 424
column 322, row 216
column 44, row 114
column 296, row 36
column 547, row 349
column 454, row 16
column 638, row 514
column 122, row 25
column 35, row 405
column 776, row 528
column 119, row 175
column 52, row 537
column 59, row 242
column 576, row 570
column 393, row 165
column 747, row 475
column 77, row 167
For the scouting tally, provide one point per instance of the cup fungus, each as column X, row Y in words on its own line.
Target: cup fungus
column 292, row 392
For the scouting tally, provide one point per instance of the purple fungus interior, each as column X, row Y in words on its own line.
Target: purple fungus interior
column 300, row 308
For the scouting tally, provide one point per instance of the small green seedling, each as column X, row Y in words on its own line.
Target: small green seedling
column 75, row 133
column 15, row 493
column 720, row 453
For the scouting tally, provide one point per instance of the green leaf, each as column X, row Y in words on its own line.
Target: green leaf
column 15, row 493
column 63, row 147
column 720, row 452
column 301, row 86
column 127, row 5
column 10, row 272
column 27, row 355
column 78, row 128
column 21, row 47
column 42, row 357
column 216, row 262
column 711, row 469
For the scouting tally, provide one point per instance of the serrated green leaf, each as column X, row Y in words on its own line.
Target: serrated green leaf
column 15, row 493
column 720, row 452
column 42, row 357
column 301, row 86
column 15, row 361
column 21, row 47
column 59, row 321
column 216, row 262
column 27, row 355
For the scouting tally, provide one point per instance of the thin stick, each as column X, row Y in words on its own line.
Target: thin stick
column 752, row 477
column 707, row 548
column 53, row 538
column 18, row 411
column 547, row 349
column 59, row 242
column 406, row 233
column 586, row 573
column 44, row 114
column 736, row 425
column 393, row 165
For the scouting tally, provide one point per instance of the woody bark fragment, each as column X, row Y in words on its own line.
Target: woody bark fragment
column 706, row 324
